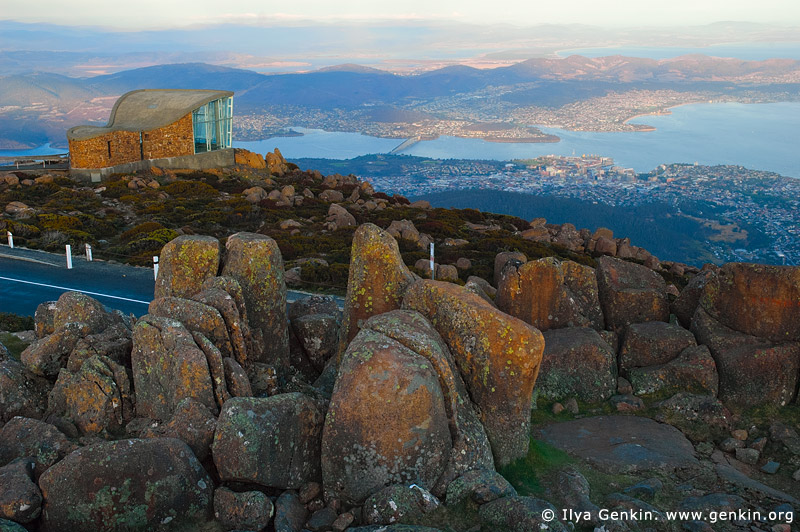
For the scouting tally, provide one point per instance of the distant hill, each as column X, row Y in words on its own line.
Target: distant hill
column 51, row 103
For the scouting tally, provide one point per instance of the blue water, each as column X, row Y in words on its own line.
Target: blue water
column 746, row 51
column 322, row 144
column 44, row 149
column 758, row 136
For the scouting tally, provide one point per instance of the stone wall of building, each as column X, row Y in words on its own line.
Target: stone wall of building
column 121, row 147
column 173, row 140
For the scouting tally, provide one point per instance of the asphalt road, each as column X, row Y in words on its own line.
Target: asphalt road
column 29, row 277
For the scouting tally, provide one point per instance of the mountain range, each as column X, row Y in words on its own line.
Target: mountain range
column 43, row 105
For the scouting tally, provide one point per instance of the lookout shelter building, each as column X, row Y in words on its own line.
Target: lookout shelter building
column 167, row 128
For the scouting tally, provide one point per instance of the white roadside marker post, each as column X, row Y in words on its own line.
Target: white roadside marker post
column 433, row 266
column 88, row 253
column 10, row 239
column 69, row 257
column 155, row 267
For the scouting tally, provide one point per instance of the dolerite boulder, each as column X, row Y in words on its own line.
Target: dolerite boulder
column 315, row 322
column 479, row 487
column 98, row 398
column 577, row 363
column 114, row 343
column 339, row 217
column 192, row 423
column 751, row 370
column 630, row 293
column 168, row 366
column 399, row 341
column 232, row 309
column 250, row 510
column 272, row 442
column 185, row 263
column 498, row 357
column 256, row 263
column 43, row 319
column 21, row 392
column 46, row 357
column 686, row 304
column 693, row 370
column 75, row 307
column 518, row 514
column 699, row 417
column 387, row 421
column 20, row 498
column 756, row 299
column 550, row 294
column 503, row 258
column 128, row 485
column 652, row 343
column 376, row 282
column 197, row 317
column 398, row 504
column 23, row 437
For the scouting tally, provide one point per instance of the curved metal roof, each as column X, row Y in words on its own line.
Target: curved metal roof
column 148, row 109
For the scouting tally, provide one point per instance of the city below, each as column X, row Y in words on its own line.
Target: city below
column 744, row 215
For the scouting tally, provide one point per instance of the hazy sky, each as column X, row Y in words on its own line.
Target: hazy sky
column 161, row 13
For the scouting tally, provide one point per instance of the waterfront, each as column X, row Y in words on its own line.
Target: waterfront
column 758, row 136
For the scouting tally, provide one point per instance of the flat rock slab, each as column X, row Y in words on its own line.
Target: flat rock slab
column 622, row 444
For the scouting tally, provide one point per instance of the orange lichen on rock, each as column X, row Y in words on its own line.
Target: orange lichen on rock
column 498, row 356
column 377, row 280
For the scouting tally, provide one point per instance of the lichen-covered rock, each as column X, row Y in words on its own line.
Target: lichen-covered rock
column 238, row 329
column 630, row 293
column 75, row 307
column 276, row 164
column 550, row 294
column 97, row 398
column 377, row 280
column 652, row 343
column 197, row 317
column 502, row 259
column 290, row 513
column 318, row 335
column 686, row 303
column 395, row 504
column 256, row 263
column 273, row 442
column 478, row 486
column 693, row 370
column 236, row 378
column 43, row 319
column 185, row 263
column 20, row 498
column 21, row 392
column 154, row 484
column 577, row 363
column 22, row 437
column 699, row 417
column 756, row 299
column 47, row 356
column 114, row 343
column 751, row 370
column 167, row 367
column 758, row 374
column 447, row 272
column 386, row 422
column 339, row 217
column 249, row 159
column 498, row 357
column 518, row 514
column 192, row 423
column 405, row 336
column 249, row 510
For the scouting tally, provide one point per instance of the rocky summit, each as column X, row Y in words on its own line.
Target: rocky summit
column 480, row 403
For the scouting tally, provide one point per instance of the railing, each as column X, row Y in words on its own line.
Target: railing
column 30, row 160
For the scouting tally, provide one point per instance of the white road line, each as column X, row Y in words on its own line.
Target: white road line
column 74, row 290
